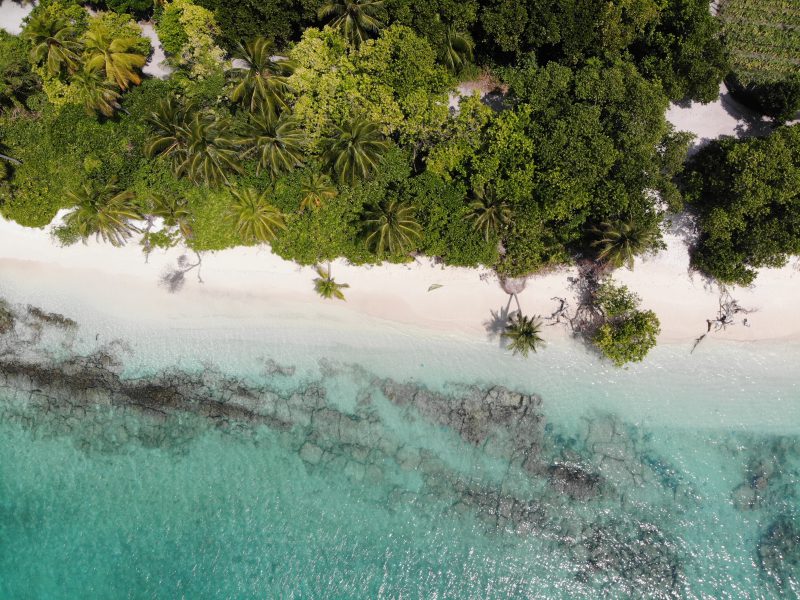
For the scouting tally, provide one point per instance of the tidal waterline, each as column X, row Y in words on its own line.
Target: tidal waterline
column 275, row 460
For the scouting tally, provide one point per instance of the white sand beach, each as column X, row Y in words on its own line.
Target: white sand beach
column 244, row 283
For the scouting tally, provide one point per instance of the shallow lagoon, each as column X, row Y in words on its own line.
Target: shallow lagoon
column 265, row 459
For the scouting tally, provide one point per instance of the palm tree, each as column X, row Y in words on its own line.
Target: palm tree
column 262, row 81
column 489, row 215
column 210, row 152
column 174, row 210
column 53, row 43
column 114, row 56
column 278, row 142
column 620, row 241
column 326, row 286
column 356, row 20
column 171, row 122
column 458, row 49
column 103, row 211
column 256, row 219
column 316, row 188
column 97, row 93
column 391, row 227
column 355, row 150
column 522, row 333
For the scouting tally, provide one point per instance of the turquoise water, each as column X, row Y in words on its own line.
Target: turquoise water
column 191, row 464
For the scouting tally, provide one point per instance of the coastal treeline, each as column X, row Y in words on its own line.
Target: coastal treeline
column 334, row 129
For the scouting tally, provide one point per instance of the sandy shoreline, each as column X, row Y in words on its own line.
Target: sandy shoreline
column 247, row 283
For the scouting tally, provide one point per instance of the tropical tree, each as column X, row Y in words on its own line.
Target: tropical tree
column 458, row 49
column 174, row 210
column 488, row 214
column 356, row 20
column 315, row 189
column 113, row 56
column 618, row 242
column 201, row 146
column 171, row 122
column 97, row 93
column 261, row 82
column 53, row 43
column 391, row 227
column 256, row 220
column 522, row 334
column 103, row 211
column 277, row 141
column 326, row 286
column 355, row 151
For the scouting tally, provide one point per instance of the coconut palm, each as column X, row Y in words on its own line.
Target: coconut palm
column 171, row 122
column 211, row 152
column 277, row 141
column 458, row 49
column 103, row 211
column 326, row 286
column 356, row 20
column 522, row 334
column 115, row 56
column 256, row 220
column 391, row 227
column 488, row 214
column 618, row 242
column 355, row 151
column 316, row 188
column 262, row 82
column 174, row 210
column 97, row 93
column 53, row 43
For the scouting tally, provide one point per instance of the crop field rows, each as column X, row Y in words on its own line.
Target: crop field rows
column 762, row 36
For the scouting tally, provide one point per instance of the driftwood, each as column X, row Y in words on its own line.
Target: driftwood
column 729, row 307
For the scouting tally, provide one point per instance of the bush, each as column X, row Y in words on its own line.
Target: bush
column 138, row 8
column 779, row 100
column 17, row 81
column 745, row 194
column 627, row 333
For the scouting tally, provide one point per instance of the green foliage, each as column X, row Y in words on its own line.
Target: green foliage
column 627, row 334
column 393, row 81
column 17, row 81
column 138, row 8
column 746, row 194
column 244, row 20
column 188, row 33
column 684, row 50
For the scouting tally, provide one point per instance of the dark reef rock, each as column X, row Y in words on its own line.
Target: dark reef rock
column 779, row 552
column 574, row 481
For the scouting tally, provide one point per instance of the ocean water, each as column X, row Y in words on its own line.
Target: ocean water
column 270, row 459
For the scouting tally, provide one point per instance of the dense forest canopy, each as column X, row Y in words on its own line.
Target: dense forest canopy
column 331, row 128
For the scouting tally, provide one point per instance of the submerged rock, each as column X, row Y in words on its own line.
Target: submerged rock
column 779, row 552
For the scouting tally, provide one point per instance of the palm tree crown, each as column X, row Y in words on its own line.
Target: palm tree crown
column 315, row 189
column 277, row 141
column 114, row 56
column 522, row 334
column 356, row 20
column 458, row 50
column 103, row 211
column 263, row 81
column 391, row 227
column 256, row 220
column 53, row 43
column 174, row 210
column 355, row 151
column 619, row 242
column 326, row 286
column 200, row 145
column 489, row 215
column 97, row 93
